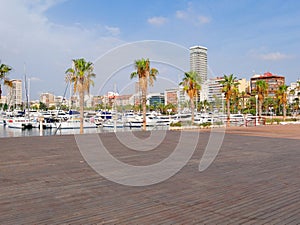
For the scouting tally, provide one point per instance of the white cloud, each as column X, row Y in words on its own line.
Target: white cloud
column 157, row 21
column 115, row 31
column 203, row 19
column 47, row 48
column 41, row 6
column 274, row 56
column 192, row 16
column 181, row 14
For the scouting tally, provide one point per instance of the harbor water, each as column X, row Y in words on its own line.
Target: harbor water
column 14, row 132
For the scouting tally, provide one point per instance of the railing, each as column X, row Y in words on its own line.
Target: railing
column 255, row 121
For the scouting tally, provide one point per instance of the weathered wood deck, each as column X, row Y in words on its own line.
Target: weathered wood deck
column 254, row 180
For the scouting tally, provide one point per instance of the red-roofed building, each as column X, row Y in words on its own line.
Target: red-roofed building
column 273, row 81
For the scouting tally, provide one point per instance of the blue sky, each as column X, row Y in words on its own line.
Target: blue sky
column 243, row 37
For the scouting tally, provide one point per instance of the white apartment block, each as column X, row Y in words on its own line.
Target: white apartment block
column 15, row 93
column 198, row 61
column 214, row 89
column 47, row 99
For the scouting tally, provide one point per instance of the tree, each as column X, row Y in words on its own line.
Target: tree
column 191, row 86
column 229, row 86
column 161, row 107
column 243, row 95
column 262, row 92
column 81, row 75
column 296, row 104
column 145, row 74
column 292, row 92
column 250, row 105
column 281, row 95
column 291, row 95
column 43, row 106
column 171, row 107
column 235, row 98
column 269, row 102
column 4, row 71
column 204, row 105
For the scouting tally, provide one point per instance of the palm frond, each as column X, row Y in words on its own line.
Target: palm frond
column 81, row 75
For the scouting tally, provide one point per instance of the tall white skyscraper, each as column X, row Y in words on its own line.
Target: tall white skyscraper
column 198, row 61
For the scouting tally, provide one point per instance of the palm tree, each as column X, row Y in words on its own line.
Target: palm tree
column 296, row 105
column 191, row 86
column 262, row 92
column 205, row 105
column 229, row 86
column 292, row 92
column 291, row 97
column 282, row 98
column 145, row 74
column 235, row 100
column 269, row 102
column 4, row 70
column 243, row 96
column 171, row 107
column 81, row 74
column 9, row 84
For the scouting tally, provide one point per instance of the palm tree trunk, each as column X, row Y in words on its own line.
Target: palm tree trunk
column 259, row 108
column 143, row 83
column 243, row 104
column 192, row 109
column 81, row 104
column 228, row 112
column 284, row 112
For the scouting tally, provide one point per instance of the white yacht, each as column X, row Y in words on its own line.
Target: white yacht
column 111, row 124
column 157, row 120
column 136, row 123
column 74, row 123
column 132, row 120
column 19, row 123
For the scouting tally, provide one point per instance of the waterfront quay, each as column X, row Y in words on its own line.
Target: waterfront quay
column 253, row 180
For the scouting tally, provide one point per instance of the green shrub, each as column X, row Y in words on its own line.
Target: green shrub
column 277, row 120
column 206, row 124
column 177, row 124
column 291, row 119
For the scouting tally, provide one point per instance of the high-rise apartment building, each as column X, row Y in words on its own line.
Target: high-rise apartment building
column 15, row 93
column 214, row 89
column 171, row 96
column 273, row 81
column 198, row 61
column 47, row 99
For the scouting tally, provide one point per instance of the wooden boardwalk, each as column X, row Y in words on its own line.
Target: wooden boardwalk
column 254, row 180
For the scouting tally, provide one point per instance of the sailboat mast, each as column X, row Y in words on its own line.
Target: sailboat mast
column 26, row 91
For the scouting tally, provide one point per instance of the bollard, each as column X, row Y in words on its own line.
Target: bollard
column 41, row 119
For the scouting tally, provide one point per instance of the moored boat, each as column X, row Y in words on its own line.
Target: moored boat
column 111, row 124
column 74, row 123
column 19, row 123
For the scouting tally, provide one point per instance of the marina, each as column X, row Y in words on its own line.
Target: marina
column 20, row 127
column 20, row 123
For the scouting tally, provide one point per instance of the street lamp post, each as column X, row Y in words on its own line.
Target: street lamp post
column 256, row 109
column 271, row 111
column 169, row 111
